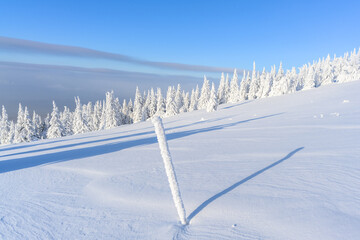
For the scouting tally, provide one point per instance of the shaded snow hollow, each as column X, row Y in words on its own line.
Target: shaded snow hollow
column 284, row 167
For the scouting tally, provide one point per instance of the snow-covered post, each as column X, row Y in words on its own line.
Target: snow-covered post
column 169, row 168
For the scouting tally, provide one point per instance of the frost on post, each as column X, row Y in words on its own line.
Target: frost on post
column 169, row 168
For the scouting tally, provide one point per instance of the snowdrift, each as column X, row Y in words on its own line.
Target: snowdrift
column 285, row 167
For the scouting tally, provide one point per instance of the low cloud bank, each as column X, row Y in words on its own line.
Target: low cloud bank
column 36, row 85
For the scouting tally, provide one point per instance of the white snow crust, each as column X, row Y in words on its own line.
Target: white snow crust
column 259, row 169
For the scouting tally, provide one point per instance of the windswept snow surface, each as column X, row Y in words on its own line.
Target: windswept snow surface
column 284, row 167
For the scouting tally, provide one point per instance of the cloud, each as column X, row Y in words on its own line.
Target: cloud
column 22, row 45
column 36, row 85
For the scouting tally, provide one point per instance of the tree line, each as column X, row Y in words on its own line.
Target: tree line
column 110, row 113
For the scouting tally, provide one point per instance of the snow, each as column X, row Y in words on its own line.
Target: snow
column 259, row 169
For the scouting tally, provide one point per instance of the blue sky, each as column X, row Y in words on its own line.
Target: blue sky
column 219, row 35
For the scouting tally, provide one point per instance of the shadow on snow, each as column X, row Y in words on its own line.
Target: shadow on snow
column 61, row 156
column 35, row 144
column 235, row 185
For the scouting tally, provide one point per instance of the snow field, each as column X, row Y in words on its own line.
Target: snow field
column 262, row 169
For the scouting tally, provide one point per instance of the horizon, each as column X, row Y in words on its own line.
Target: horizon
column 56, row 51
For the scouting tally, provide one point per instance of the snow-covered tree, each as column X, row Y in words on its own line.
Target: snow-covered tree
column 88, row 115
column 18, row 135
column 179, row 101
column 102, row 123
column 291, row 80
column 171, row 107
column 45, row 126
column 227, row 89
column 328, row 72
column 221, row 90
column 56, row 129
column 267, row 85
column 126, row 113
column 194, row 99
column 4, row 127
column 152, row 104
column 131, row 110
column 278, row 81
column 234, row 88
column 146, row 105
column 255, row 84
column 205, row 94
column 186, row 100
column 160, row 107
column 96, row 116
column 79, row 124
column 309, row 81
column 28, row 127
column 213, row 101
column 11, row 135
column 37, row 125
column 110, row 112
column 118, row 112
column 273, row 80
column 244, row 87
column 66, row 121
column 262, row 83
column 138, row 107
column 24, row 131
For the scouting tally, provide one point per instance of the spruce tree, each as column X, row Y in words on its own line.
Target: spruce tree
column 96, row 116
column 221, row 90
column 179, row 102
column 125, row 112
column 205, row 94
column 19, row 135
column 171, row 108
column 193, row 101
column 213, row 101
column 79, row 124
column 261, row 84
column 66, row 121
column 234, row 89
column 102, row 123
column 328, row 72
column 255, row 84
column 277, row 82
column 138, row 106
column 309, row 81
column 145, row 109
column 186, row 100
column 4, row 127
column 37, row 125
column 160, row 107
column 244, row 87
column 45, row 126
column 110, row 112
column 88, row 116
column 55, row 130
column 153, row 103
column 227, row 89
column 11, row 134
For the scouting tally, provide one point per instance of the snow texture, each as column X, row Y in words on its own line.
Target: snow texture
column 258, row 169
column 169, row 168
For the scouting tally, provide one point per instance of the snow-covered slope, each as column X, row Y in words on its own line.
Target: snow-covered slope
column 284, row 167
